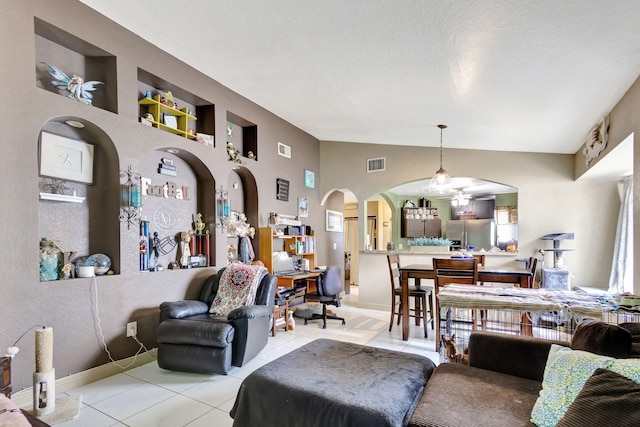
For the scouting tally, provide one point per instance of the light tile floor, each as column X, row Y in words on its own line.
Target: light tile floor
column 154, row 397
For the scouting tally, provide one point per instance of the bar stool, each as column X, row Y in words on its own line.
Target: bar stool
column 419, row 294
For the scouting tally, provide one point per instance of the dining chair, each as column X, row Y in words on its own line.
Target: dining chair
column 483, row 313
column 532, row 265
column 459, row 271
column 419, row 293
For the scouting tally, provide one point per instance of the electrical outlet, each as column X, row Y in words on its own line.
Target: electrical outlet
column 132, row 329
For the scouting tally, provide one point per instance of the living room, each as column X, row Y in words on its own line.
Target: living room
column 551, row 195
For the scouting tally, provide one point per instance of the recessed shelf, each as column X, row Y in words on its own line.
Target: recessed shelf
column 73, row 55
column 61, row 198
column 188, row 124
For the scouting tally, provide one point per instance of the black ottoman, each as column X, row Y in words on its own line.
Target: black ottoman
column 333, row 383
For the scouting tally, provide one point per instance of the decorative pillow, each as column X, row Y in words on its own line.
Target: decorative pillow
column 237, row 288
column 630, row 368
column 602, row 338
column 565, row 374
column 11, row 415
column 634, row 330
column 607, row 398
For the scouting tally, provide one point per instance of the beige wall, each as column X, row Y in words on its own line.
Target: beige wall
column 549, row 200
column 624, row 119
column 67, row 306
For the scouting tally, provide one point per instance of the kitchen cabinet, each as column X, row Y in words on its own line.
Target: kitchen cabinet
column 484, row 209
column 421, row 222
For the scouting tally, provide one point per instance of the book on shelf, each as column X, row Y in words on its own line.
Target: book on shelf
column 168, row 172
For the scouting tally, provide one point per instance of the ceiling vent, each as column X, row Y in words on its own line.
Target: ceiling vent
column 284, row 150
column 376, row 165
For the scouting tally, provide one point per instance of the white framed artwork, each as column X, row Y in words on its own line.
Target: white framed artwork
column 66, row 158
column 303, row 207
column 334, row 221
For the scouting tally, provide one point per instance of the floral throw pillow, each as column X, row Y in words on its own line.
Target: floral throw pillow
column 565, row 374
column 237, row 288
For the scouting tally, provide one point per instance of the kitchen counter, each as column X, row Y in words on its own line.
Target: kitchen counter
column 442, row 253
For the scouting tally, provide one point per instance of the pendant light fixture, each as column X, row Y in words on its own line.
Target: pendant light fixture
column 441, row 181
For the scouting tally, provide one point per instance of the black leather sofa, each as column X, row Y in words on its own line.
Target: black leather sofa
column 190, row 339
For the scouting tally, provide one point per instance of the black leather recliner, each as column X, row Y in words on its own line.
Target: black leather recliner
column 190, row 339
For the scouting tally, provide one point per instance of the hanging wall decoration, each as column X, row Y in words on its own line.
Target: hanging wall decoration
column 309, row 179
column 66, row 158
column 282, row 189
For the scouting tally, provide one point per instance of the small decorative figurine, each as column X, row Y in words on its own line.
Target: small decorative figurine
column 185, row 238
column 77, row 87
column 199, row 225
column 233, row 153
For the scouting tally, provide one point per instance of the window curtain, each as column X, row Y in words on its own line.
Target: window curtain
column 621, row 279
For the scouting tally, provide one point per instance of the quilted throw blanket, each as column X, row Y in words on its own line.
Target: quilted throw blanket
column 532, row 300
column 238, row 286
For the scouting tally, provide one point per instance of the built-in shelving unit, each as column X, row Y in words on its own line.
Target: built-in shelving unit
column 296, row 246
column 160, row 113
column 193, row 116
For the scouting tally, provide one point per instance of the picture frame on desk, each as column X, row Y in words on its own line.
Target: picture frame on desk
column 334, row 221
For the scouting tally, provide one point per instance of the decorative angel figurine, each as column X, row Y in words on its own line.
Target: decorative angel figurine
column 77, row 87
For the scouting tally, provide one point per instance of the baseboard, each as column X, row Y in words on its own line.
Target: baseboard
column 24, row 398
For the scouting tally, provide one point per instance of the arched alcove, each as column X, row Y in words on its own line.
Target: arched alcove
column 77, row 158
column 243, row 194
column 198, row 197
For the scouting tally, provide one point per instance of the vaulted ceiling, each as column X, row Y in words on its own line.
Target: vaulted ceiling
column 514, row 75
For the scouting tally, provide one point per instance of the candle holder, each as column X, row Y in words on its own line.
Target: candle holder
column 223, row 208
column 131, row 197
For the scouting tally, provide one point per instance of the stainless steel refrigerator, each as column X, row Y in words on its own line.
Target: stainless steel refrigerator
column 480, row 233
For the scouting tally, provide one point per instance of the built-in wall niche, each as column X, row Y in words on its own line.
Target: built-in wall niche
column 243, row 135
column 190, row 116
column 74, row 56
column 175, row 187
column 90, row 226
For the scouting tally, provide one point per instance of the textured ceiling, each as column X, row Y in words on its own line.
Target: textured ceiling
column 503, row 75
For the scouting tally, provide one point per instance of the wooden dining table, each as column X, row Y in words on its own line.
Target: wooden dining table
column 519, row 276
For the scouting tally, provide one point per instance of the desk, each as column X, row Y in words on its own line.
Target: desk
column 287, row 280
column 517, row 275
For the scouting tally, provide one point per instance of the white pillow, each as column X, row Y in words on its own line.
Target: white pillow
column 12, row 416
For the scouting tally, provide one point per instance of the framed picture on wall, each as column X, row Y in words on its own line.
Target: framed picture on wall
column 66, row 158
column 334, row 221
column 309, row 179
column 303, row 207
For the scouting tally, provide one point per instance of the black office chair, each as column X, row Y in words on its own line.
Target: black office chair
column 328, row 288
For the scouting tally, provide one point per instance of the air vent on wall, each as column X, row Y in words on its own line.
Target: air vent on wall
column 284, row 150
column 376, row 165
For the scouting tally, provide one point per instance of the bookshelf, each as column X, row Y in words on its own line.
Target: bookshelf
column 302, row 247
